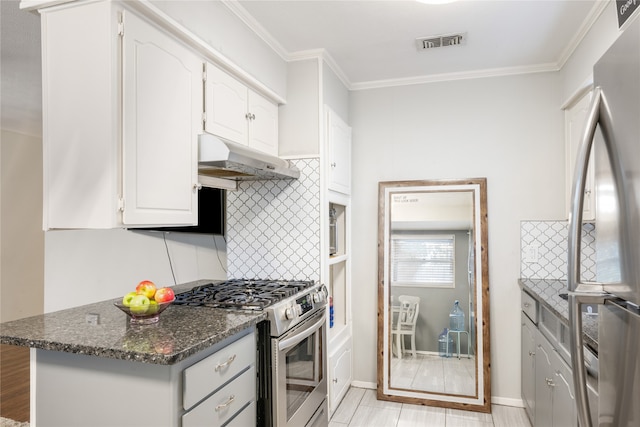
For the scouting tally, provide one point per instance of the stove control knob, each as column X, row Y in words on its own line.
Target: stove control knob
column 291, row 313
column 318, row 297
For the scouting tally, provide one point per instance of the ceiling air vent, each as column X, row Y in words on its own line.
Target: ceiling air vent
column 425, row 43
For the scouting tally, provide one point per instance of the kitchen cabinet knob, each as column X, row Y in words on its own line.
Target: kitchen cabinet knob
column 526, row 305
column 225, row 404
column 335, row 381
column 250, row 116
column 197, row 187
column 532, row 353
column 550, row 382
column 333, row 165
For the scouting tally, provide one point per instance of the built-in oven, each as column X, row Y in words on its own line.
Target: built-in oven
column 299, row 373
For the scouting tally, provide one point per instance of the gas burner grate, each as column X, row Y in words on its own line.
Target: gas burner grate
column 241, row 294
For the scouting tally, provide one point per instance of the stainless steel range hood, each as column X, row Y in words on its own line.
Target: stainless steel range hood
column 218, row 158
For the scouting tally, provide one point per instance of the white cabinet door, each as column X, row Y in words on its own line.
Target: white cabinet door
column 575, row 118
column 238, row 114
column 225, row 106
column 339, row 145
column 162, row 103
column 263, row 124
column 340, row 375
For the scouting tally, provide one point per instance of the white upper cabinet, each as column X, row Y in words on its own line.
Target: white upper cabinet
column 162, row 106
column 122, row 107
column 237, row 113
column 575, row 122
column 339, row 147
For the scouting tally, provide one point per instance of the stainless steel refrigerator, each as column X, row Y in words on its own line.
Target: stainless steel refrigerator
column 613, row 129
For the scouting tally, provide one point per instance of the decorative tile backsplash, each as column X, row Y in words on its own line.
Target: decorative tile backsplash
column 273, row 227
column 543, row 250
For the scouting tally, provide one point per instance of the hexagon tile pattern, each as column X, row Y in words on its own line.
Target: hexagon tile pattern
column 273, row 227
column 550, row 238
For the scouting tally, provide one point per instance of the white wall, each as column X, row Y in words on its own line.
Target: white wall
column 22, row 238
column 507, row 129
column 85, row 266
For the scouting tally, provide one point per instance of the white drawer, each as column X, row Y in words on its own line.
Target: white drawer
column 245, row 418
column 529, row 306
column 211, row 373
column 225, row 403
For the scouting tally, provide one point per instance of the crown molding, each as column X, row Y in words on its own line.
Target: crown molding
column 465, row 75
column 237, row 9
column 322, row 54
column 591, row 19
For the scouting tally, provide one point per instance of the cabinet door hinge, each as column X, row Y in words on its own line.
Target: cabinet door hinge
column 121, row 204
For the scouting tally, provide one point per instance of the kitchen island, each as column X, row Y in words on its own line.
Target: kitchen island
column 90, row 366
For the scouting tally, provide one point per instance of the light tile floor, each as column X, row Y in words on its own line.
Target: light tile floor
column 361, row 408
column 434, row 373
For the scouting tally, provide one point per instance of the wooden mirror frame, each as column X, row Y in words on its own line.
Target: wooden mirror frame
column 481, row 402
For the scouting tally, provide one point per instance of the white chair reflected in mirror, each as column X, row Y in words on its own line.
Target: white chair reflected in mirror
column 405, row 323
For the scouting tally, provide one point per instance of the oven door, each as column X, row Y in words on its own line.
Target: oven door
column 299, row 372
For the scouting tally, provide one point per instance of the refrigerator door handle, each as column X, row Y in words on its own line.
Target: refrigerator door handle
column 575, row 289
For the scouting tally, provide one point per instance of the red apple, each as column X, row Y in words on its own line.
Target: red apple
column 164, row 295
column 146, row 288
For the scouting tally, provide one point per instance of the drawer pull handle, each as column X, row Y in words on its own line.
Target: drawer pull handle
column 223, row 365
column 224, row 405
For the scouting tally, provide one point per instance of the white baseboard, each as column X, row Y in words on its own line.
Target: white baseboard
column 507, row 401
column 364, row 384
column 495, row 400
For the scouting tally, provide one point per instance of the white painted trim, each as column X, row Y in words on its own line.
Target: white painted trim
column 507, row 401
column 237, row 9
column 591, row 19
column 194, row 41
column 494, row 72
column 364, row 384
column 585, row 87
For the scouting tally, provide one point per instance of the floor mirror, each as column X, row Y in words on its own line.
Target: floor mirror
column 433, row 293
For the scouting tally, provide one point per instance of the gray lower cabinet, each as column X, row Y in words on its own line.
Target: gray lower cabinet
column 555, row 401
column 528, row 363
column 214, row 387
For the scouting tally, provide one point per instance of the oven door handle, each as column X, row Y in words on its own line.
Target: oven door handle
column 287, row 343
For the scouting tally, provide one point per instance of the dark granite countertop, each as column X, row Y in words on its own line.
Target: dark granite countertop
column 547, row 292
column 181, row 331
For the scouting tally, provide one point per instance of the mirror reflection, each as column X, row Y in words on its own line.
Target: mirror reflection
column 432, row 286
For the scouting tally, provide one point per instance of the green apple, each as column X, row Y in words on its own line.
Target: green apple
column 139, row 304
column 126, row 301
column 153, row 307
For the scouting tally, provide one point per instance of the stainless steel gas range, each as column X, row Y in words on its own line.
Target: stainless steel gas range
column 291, row 360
